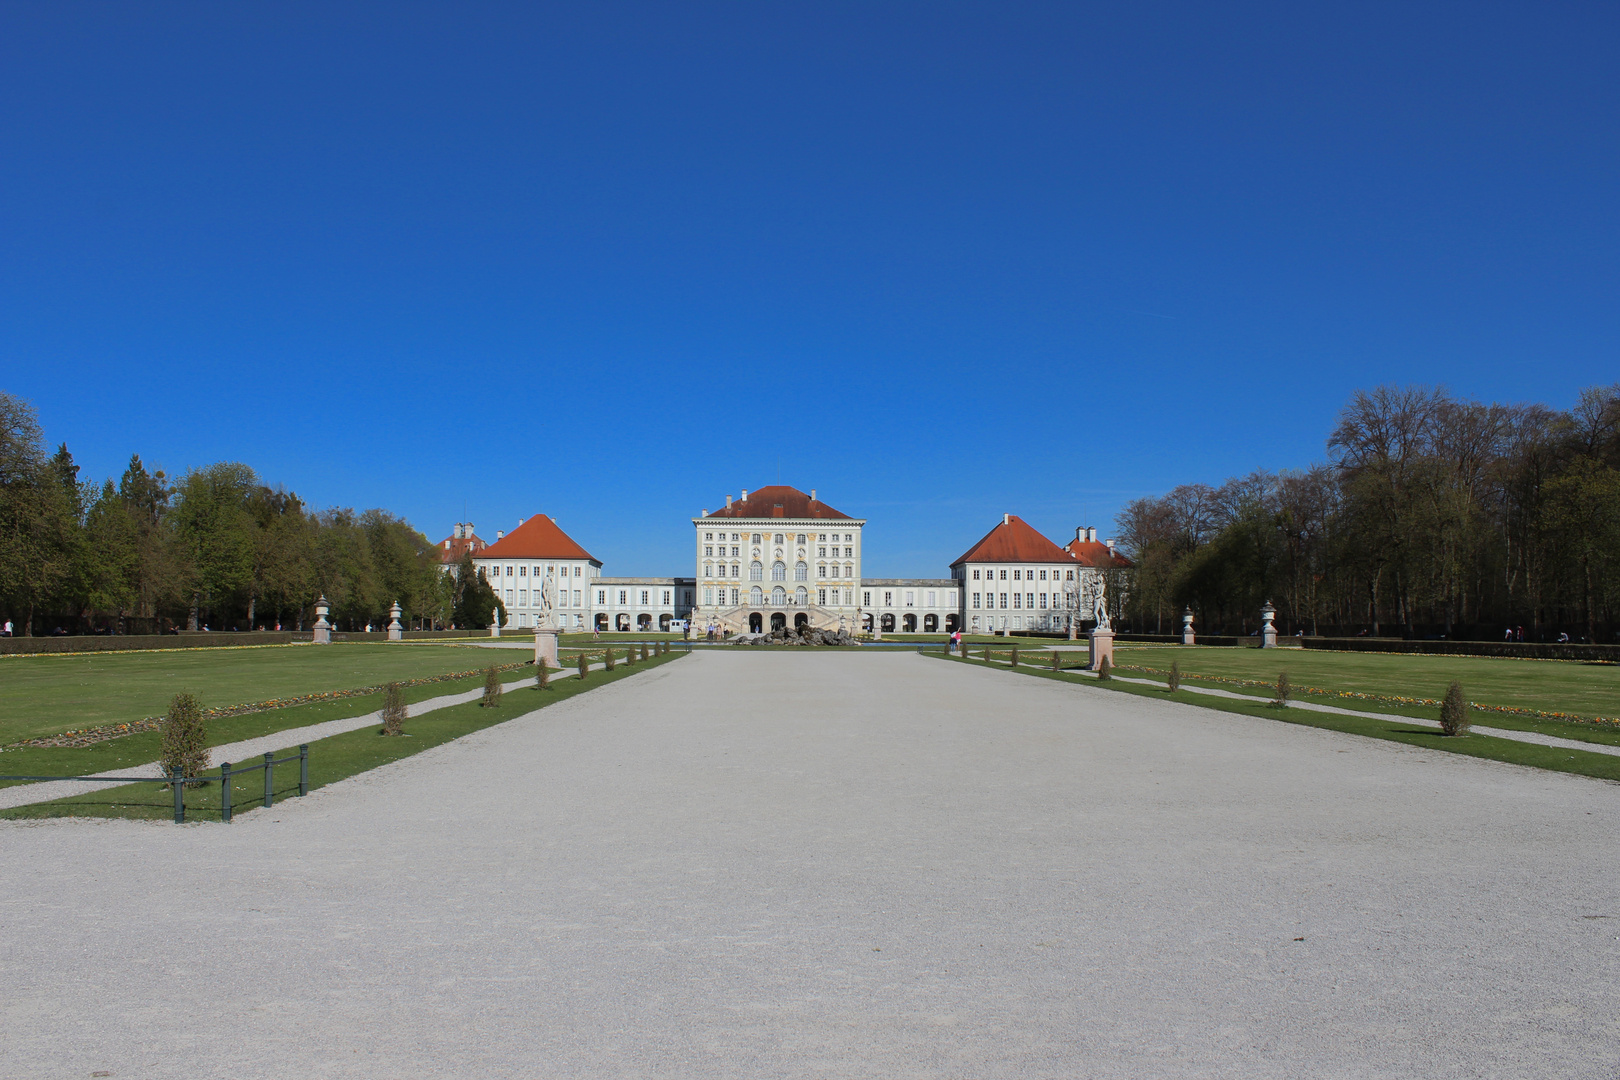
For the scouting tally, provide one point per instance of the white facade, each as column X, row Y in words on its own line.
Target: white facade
column 911, row 605
column 640, row 603
column 1019, row 596
column 518, row 583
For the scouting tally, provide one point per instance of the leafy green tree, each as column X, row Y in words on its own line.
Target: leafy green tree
column 213, row 535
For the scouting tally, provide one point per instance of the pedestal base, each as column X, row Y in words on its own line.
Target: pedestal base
column 1268, row 639
column 1102, row 647
column 495, row 629
column 395, row 634
column 322, row 635
column 1187, row 638
column 545, row 647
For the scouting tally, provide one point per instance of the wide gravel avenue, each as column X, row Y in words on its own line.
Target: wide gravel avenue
column 833, row 864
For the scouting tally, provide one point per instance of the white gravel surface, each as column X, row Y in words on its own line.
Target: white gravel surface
column 762, row 864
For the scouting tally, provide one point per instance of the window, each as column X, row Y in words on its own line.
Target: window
column 708, row 549
column 508, row 597
column 821, row 538
column 1029, row 601
column 1068, row 575
column 736, row 552
column 866, row 599
column 1003, row 599
column 708, row 570
column 756, row 538
column 733, row 597
column 1043, row 575
column 975, row 599
column 666, row 597
column 1015, row 575
column 800, row 538
column 523, row 571
column 1043, row 600
column 1016, row 598
column 821, row 570
column 931, row 600
column 888, row 599
column 821, row 597
column 849, row 553
column 848, row 538
column 708, row 597
column 508, row 571
column 778, row 570
column 601, row 597
column 708, row 536
column 622, row 594
column 644, row 596
column 821, row 553
column 756, row 571
column 523, row 598
column 975, row 575
column 801, row 572
column 1004, row 575
column 576, row 598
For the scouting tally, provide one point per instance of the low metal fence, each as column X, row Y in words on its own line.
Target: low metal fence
column 178, row 783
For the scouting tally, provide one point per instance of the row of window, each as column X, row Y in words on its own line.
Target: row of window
column 646, row 596
column 756, row 597
column 1025, row 575
column 1024, row 600
column 756, row 571
column 931, row 598
column 523, row 571
column 709, row 552
column 562, row 598
column 780, row 538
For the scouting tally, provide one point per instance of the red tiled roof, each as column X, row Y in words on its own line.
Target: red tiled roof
column 779, row 501
column 450, row 548
column 537, row 538
column 1013, row 540
column 1096, row 554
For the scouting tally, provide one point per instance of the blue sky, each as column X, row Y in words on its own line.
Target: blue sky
column 938, row 261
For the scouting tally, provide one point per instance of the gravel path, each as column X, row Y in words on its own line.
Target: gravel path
column 834, row 865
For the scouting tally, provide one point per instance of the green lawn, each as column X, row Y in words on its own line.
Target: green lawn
column 50, row 694
column 1584, row 763
column 330, row 760
column 1570, row 686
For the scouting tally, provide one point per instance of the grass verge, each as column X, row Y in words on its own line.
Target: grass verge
column 1556, row 759
column 330, row 760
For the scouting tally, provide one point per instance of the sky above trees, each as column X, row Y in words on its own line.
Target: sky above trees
column 940, row 262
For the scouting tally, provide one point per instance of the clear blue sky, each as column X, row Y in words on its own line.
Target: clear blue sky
column 938, row 261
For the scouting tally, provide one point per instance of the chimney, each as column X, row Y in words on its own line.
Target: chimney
column 519, row 524
column 1110, row 544
column 1006, row 519
column 745, row 495
column 705, row 512
column 447, row 545
column 1093, row 535
column 499, row 534
column 728, row 502
column 812, row 494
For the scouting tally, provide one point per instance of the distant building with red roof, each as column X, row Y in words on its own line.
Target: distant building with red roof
column 517, row 564
column 461, row 540
column 1016, row 579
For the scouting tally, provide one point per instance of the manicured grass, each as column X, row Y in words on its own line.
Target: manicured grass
column 1572, row 686
column 50, row 694
column 1599, row 766
column 330, row 759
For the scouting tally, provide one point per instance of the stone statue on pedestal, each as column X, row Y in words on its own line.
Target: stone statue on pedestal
column 1100, row 605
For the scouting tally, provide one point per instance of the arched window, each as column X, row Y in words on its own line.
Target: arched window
column 778, row 596
column 801, row 596
column 756, row 596
column 801, row 572
column 778, row 570
column 756, row 571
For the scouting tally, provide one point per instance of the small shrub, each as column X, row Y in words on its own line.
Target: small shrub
column 630, row 657
column 542, row 681
column 1284, row 690
column 1454, row 712
column 607, row 658
column 1173, row 682
column 1014, row 662
column 185, row 739
column 393, row 710
column 1105, row 670
column 584, row 665
column 492, row 687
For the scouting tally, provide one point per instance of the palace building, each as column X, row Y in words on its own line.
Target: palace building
column 776, row 558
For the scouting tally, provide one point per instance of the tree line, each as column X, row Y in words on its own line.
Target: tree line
column 1432, row 516
column 214, row 548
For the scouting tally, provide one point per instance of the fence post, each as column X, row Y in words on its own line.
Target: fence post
column 303, row 768
column 269, row 773
column 225, row 792
column 179, row 796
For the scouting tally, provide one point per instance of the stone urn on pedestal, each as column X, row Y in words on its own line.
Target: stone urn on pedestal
column 323, row 629
column 396, row 632
column 1187, row 636
column 1268, row 632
